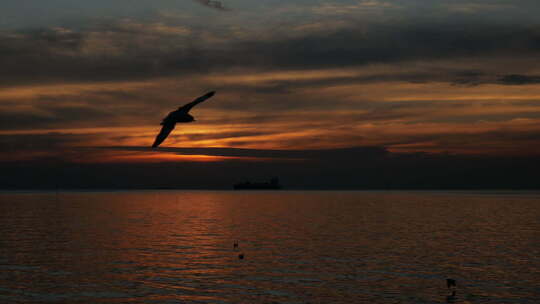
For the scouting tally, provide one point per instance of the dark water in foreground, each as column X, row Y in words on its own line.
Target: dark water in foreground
column 300, row 247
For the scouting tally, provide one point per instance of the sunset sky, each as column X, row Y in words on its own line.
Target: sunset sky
column 87, row 83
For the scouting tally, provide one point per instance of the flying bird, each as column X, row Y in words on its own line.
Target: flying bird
column 180, row 115
column 213, row 4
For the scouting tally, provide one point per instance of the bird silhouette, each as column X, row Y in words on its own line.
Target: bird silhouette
column 180, row 115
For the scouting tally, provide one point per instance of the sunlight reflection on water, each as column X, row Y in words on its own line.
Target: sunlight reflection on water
column 300, row 247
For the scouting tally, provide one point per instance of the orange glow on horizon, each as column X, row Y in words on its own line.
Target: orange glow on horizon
column 119, row 156
column 400, row 115
column 152, row 157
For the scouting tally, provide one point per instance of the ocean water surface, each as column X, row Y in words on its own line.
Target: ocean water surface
column 299, row 247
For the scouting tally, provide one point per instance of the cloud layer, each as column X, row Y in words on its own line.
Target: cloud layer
column 132, row 50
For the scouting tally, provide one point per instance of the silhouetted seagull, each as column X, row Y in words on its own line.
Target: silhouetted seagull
column 180, row 115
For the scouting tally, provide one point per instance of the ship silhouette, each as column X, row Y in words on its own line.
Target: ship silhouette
column 273, row 184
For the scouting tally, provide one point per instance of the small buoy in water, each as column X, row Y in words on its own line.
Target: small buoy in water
column 241, row 256
column 450, row 283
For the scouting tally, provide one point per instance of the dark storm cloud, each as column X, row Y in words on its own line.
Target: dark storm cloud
column 47, row 142
column 87, row 108
column 52, row 116
column 449, row 75
column 515, row 79
column 477, row 78
column 460, row 141
column 400, row 42
column 469, row 78
column 52, row 55
column 64, row 55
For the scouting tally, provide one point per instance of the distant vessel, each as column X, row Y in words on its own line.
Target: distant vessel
column 272, row 185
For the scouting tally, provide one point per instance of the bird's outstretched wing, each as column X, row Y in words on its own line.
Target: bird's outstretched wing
column 165, row 131
column 185, row 108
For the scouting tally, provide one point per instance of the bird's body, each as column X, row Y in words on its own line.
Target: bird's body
column 450, row 283
column 179, row 116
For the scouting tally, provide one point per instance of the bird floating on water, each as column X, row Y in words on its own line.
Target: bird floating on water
column 181, row 115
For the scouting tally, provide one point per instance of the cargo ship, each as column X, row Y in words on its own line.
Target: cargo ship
column 272, row 185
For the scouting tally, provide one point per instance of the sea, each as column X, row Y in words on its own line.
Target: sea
column 172, row 246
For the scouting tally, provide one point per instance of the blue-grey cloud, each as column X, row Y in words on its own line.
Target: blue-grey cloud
column 65, row 55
